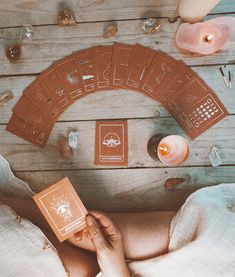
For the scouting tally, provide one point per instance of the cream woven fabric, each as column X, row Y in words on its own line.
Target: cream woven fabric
column 202, row 238
column 24, row 250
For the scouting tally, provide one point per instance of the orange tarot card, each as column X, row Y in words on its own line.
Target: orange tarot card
column 111, row 146
column 62, row 208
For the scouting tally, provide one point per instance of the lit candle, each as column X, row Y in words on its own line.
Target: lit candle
column 208, row 37
column 171, row 150
column 193, row 11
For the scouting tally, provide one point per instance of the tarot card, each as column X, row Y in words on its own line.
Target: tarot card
column 180, row 74
column 21, row 128
column 86, row 62
column 196, row 107
column 62, row 208
column 70, row 78
column 159, row 69
column 104, row 67
column 25, row 109
column 120, row 60
column 111, row 145
column 39, row 95
column 58, row 92
column 139, row 63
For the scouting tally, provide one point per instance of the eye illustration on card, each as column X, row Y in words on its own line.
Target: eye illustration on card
column 61, row 207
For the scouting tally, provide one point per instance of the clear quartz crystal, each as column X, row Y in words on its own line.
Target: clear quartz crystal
column 27, row 32
column 73, row 139
column 215, row 157
column 150, row 25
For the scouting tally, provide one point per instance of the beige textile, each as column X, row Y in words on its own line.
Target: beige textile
column 202, row 238
column 24, row 250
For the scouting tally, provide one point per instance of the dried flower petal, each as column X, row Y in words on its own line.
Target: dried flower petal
column 151, row 26
column 13, row 53
column 110, row 30
column 172, row 182
column 64, row 148
column 65, row 18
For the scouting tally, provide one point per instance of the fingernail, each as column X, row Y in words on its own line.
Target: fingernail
column 78, row 236
column 89, row 220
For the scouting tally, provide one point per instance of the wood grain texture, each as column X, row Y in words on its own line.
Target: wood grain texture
column 52, row 43
column 24, row 156
column 133, row 189
column 141, row 186
column 20, row 12
column 118, row 103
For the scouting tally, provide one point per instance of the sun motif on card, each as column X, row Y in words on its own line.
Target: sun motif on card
column 111, row 140
column 61, row 207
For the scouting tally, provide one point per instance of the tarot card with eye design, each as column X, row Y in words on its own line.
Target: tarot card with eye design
column 62, row 208
column 111, row 147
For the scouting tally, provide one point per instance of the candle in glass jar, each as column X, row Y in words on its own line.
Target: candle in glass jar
column 173, row 150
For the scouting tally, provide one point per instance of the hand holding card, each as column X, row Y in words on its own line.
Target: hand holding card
column 62, row 208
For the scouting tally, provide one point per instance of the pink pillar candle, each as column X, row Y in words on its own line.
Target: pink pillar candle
column 173, row 150
column 206, row 37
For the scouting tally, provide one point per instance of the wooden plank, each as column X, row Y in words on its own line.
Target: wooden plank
column 25, row 156
column 18, row 12
column 119, row 103
column 133, row 189
column 52, row 43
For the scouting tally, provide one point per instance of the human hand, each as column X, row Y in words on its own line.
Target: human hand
column 108, row 244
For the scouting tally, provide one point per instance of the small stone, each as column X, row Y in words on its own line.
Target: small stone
column 110, row 30
column 215, row 157
column 5, row 96
column 65, row 18
column 73, row 139
column 151, row 26
column 64, row 148
column 13, row 53
column 27, row 32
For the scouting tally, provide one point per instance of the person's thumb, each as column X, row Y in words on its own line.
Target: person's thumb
column 96, row 234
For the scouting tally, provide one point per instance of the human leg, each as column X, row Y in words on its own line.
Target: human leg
column 145, row 235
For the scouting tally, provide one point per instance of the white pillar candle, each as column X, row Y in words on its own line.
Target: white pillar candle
column 194, row 10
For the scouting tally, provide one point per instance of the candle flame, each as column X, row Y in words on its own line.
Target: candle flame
column 208, row 39
column 164, row 149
